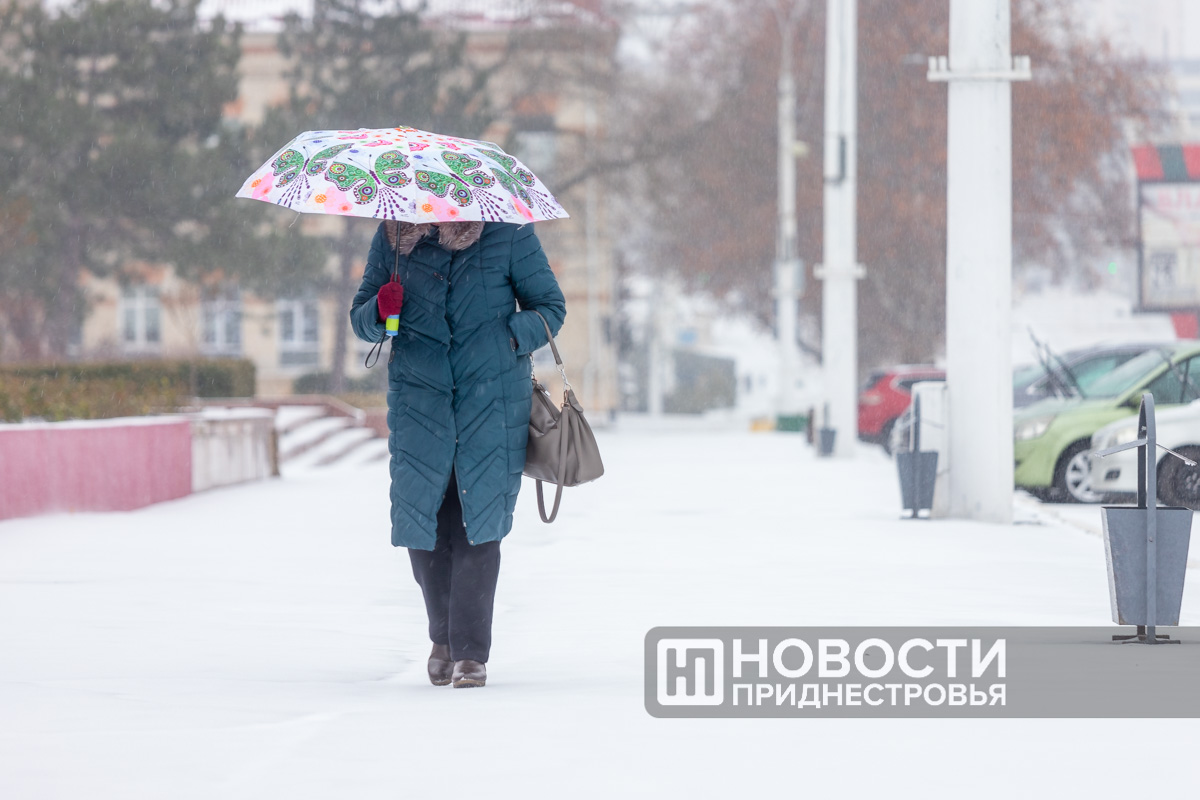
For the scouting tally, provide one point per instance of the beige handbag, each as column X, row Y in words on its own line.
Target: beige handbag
column 561, row 448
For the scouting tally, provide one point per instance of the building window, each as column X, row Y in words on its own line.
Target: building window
column 222, row 322
column 141, row 318
column 298, row 333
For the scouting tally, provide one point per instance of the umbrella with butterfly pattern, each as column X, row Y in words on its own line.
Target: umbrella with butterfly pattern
column 404, row 174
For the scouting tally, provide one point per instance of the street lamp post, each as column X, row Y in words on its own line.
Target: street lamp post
column 980, row 71
column 841, row 271
column 789, row 277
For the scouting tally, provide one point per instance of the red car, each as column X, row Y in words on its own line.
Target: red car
column 885, row 396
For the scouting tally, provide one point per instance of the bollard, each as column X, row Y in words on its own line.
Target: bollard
column 1146, row 547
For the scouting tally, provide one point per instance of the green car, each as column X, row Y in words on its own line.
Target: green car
column 1052, row 438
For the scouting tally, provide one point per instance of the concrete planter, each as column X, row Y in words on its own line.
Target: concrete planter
column 1125, row 551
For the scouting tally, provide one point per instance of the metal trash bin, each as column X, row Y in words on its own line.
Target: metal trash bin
column 917, row 469
column 918, row 474
column 825, row 440
column 1146, row 547
column 826, row 436
column 1125, row 552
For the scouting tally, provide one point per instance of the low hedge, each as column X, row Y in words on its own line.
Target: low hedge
column 117, row 389
column 320, row 383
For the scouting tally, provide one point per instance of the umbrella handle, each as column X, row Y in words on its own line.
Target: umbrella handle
column 391, row 325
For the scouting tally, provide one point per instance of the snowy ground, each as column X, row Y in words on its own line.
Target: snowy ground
column 266, row 641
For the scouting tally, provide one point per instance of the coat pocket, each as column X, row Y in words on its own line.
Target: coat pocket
column 505, row 343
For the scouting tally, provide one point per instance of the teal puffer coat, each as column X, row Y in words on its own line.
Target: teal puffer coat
column 459, row 373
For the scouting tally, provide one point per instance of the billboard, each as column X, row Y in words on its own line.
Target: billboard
column 1170, row 234
column 1168, row 226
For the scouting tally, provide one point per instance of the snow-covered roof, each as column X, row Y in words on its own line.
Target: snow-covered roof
column 265, row 15
column 256, row 15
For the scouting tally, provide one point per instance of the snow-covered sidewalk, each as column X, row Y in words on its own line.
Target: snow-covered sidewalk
column 266, row 641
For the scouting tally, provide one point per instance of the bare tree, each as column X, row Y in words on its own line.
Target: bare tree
column 709, row 192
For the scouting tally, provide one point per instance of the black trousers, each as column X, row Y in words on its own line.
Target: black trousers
column 459, row 583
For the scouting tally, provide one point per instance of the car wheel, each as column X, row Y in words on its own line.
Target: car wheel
column 1073, row 477
column 1179, row 484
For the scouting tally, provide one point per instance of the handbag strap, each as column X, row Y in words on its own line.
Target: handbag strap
column 564, row 436
column 563, row 440
column 553, row 348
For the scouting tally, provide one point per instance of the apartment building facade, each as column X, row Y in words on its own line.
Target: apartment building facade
column 150, row 312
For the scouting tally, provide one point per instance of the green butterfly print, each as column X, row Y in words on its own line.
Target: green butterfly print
column 439, row 184
column 390, row 166
column 459, row 185
column 287, row 166
column 515, row 189
column 466, row 169
column 510, row 166
column 389, row 170
column 318, row 163
column 350, row 178
column 511, row 176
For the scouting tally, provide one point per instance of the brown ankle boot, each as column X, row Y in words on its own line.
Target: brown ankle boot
column 440, row 665
column 468, row 673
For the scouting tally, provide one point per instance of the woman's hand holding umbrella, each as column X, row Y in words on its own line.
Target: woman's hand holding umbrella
column 390, row 300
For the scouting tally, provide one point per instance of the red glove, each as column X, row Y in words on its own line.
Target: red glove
column 390, row 299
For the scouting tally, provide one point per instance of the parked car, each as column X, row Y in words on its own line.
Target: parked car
column 1065, row 375
column 1116, row 476
column 884, row 397
column 1071, row 373
column 1052, row 438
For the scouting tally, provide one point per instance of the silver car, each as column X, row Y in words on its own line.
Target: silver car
column 1178, row 429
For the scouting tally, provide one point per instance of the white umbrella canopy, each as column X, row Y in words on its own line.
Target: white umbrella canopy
column 401, row 173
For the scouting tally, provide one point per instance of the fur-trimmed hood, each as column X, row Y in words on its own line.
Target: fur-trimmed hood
column 404, row 236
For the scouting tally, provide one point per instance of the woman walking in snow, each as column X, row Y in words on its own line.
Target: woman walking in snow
column 459, row 388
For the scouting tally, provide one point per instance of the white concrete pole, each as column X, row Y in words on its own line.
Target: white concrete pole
column 786, row 267
column 979, row 258
column 840, row 270
column 787, row 264
column 655, row 388
column 592, row 369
